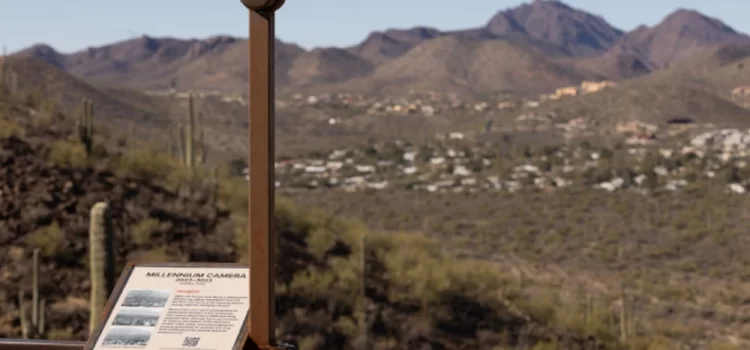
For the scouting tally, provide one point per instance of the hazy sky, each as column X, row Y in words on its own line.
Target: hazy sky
column 70, row 25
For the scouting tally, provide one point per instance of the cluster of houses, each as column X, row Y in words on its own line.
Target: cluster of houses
column 454, row 164
column 423, row 103
column 428, row 103
column 432, row 103
column 586, row 87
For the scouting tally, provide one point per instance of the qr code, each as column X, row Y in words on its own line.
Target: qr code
column 191, row 342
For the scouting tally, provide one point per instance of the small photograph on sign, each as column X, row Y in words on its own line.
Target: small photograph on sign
column 127, row 337
column 137, row 317
column 146, row 298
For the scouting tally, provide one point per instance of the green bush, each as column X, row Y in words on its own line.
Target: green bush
column 49, row 239
column 10, row 128
column 67, row 153
column 147, row 163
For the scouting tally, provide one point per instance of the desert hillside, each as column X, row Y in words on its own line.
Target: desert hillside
column 540, row 180
column 162, row 211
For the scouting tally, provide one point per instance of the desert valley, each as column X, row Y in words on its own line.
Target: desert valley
column 541, row 181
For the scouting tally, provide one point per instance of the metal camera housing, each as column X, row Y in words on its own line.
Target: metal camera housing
column 263, row 5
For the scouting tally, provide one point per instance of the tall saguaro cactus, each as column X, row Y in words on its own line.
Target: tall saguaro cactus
column 85, row 125
column 6, row 71
column 13, row 82
column 365, row 321
column 8, row 76
column 192, row 143
column 190, row 134
column 101, row 253
column 34, row 328
column 626, row 323
column 2, row 67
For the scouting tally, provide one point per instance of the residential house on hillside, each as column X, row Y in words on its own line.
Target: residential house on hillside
column 588, row 87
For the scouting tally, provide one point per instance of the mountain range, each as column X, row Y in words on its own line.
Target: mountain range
column 534, row 47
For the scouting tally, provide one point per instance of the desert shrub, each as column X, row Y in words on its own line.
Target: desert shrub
column 651, row 343
column 546, row 345
column 45, row 116
column 329, row 233
column 724, row 346
column 312, row 342
column 232, row 192
column 144, row 230
column 60, row 334
column 148, row 163
column 49, row 239
column 414, row 265
column 34, row 98
column 67, row 153
column 158, row 254
column 10, row 128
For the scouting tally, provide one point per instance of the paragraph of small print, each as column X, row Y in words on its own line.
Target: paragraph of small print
column 191, row 342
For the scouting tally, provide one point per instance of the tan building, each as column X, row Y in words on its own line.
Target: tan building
column 566, row 91
column 588, row 87
column 741, row 90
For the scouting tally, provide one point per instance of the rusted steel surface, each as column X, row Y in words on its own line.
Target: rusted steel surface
column 32, row 344
column 262, row 238
column 263, row 5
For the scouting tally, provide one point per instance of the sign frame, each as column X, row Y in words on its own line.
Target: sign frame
column 242, row 341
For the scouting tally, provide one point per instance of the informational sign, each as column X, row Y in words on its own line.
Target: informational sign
column 176, row 307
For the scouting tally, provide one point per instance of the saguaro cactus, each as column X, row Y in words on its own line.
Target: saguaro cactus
column 13, row 82
column 2, row 66
column 35, row 328
column 101, row 253
column 188, row 135
column 589, row 313
column 624, row 315
column 365, row 321
column 213, row 183
column 85, row 125
column 191, row 139
column 8, row 76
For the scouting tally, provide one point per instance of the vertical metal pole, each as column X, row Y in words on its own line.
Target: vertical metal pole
column 262, row 238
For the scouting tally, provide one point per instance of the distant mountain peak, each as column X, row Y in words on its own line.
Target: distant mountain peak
column 679, row 35
column 684, row 13
column 552, row 3
column 211, row 44
column 578, row 32
column 415, row 32
column 694, row 19
column 381, row 46
column 42, row 47
column 327, row 65
column 45, row 53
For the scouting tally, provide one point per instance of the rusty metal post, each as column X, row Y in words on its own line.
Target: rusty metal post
column 262, row 238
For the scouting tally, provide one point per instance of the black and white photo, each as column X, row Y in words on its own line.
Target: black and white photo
column 127, row 337
column 146, row 298
column 137, row 317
